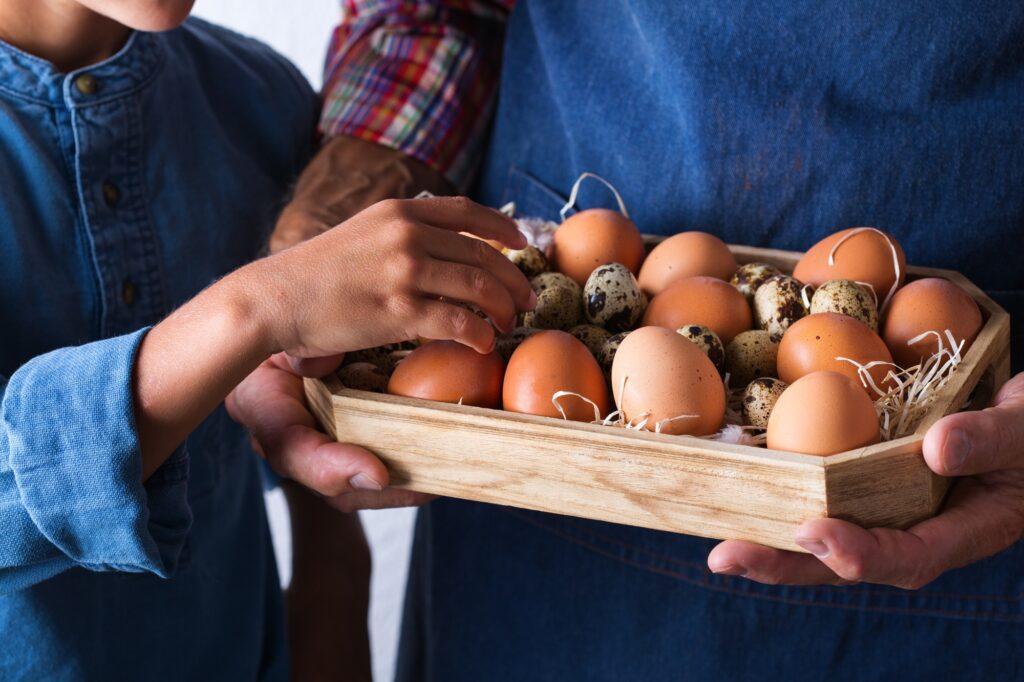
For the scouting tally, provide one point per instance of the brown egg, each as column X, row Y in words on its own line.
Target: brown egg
column 687, row 254
column 661, row 374
column 865, row 257
column 449, row 372
column 711, row 302
column 595, row 237
column 552, row 361
column 931, row 304
column 823, row 413
column 815, row 341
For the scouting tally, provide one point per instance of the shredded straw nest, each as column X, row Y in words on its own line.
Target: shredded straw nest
column 911, row 392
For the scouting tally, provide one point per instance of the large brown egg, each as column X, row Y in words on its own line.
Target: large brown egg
column 594, row 237
column 449, row 372
column 709, row 301
column 864, row 255
column 659, row 375
column 552, row 361
column 931, row 304
column 687, row 254
column 815, row 342
column 822, row 413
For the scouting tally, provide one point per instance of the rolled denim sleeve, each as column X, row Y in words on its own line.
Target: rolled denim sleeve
column 71, row 492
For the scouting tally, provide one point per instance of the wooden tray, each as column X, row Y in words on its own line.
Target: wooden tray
column 674, row 483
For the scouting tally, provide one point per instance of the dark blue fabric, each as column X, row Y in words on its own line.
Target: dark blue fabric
column 768, row 124
column 200, row 131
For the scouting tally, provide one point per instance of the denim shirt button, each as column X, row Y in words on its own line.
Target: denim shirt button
column 111, row 194
column 128, row 292
column 87, row 84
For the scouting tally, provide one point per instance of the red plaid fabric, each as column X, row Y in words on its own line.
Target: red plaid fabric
column 416, row 76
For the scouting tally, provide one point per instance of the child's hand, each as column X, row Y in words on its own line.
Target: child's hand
column 377, row 278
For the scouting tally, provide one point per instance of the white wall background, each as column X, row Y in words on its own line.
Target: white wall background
column 300, row 29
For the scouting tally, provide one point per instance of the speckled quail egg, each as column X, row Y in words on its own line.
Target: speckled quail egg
column 751, row 355
column 707, row 341
column 846, row 297
column 507, row 343
column 592, row 336
column 364, row 376
column 758, row 400
column 612, row 298
column 530, row 260
column 749, row 276
column 607, row 354
column 554, row 280
column 558, row 302
column 778, row 304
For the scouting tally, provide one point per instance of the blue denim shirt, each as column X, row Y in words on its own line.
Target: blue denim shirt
column 127, row 187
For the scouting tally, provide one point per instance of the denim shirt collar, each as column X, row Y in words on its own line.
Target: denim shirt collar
column 29, row 77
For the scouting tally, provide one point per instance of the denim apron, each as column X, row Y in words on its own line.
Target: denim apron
column 770, row 124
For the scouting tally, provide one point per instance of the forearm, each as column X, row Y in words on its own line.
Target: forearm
column 187, row 364
column 346, row 176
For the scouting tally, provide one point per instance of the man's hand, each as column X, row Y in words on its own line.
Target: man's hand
column 983, row 514
column 346, row 176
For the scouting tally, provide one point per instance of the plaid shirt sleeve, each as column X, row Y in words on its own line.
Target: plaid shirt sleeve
column 417, row 76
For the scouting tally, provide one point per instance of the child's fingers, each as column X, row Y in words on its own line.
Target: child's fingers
column 460, row 214
column 472, row 285
column 475, row 253
column 440, row 320
column 314, row 367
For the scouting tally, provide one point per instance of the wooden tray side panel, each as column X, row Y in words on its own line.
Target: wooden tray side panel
column 896, row 490
column 612, row 476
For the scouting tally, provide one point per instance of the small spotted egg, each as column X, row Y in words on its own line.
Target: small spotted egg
column 608, row 350
column 749, row 276
column 530, row 260
column 507, row 343
column 759, row 399
column 364, row 376
column 751, row 355
column 612, row 298
column 593, row 337
column 558, row 302
column 846, row 298
column 707, row 341
column 554, row 280
column 778, row 303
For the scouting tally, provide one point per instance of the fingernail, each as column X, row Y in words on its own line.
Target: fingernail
column 532, row 303
column 363, row 482
column 815, row 547
column 956, row 450
column 730, row 569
